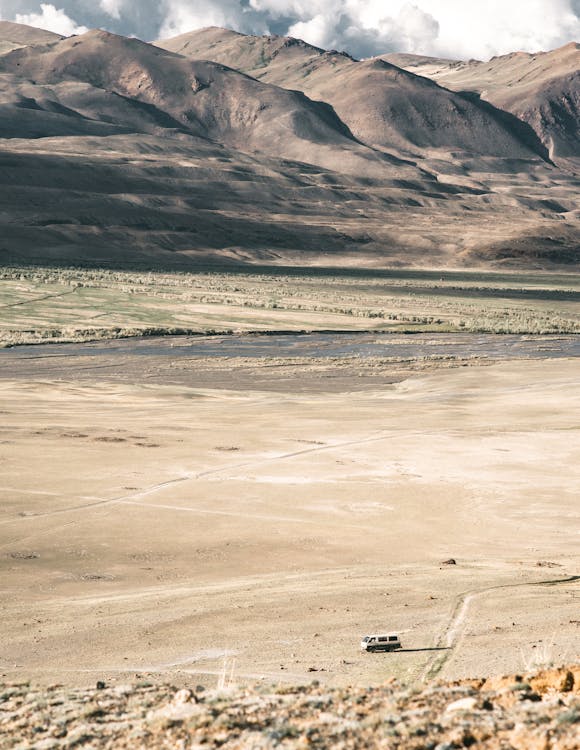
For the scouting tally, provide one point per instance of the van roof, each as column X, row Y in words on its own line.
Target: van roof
column 381, row 635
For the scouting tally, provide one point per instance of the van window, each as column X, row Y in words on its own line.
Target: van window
column 393, row 638
column 381, row 640
column 366, row 639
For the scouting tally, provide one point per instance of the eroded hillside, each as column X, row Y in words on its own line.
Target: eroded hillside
column 224, row 148
column 542, row 90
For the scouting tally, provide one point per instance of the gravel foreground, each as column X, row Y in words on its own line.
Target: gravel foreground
column 539, row 711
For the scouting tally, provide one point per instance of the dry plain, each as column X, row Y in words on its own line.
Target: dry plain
column 250, row 513
column 193, row 529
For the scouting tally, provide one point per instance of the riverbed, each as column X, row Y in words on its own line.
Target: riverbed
column 320, row 361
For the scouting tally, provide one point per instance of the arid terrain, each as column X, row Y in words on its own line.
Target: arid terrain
column 289, row 354
column 538, row 709
column 257, row 500
column 175, row 516
column 542, row 90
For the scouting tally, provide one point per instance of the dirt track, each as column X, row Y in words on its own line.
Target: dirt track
column 450, row 638
column 165, row 530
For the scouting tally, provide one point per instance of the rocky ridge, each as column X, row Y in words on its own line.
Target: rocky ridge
column 540, row 89
column 539, row 711
column 16, row 35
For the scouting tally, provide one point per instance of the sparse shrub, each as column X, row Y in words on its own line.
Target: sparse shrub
column 572, row 716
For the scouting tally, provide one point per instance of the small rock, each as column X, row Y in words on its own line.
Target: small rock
column 197, row 85
column 182, row 696
column 531, row 696
column 463, row 704
column 24, row 555
column 451, row 561
column 46, row 744
column 124, row 690
column 101, row 685
column 524, row 739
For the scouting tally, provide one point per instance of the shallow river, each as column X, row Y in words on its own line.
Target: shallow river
column 341, row 362
column 460, row 345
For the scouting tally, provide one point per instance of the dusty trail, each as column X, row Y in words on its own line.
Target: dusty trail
column 188, row 477
column 39, row 299
column 233, row 514
column 266, row 582
column 99, row 502
column 87, row 506
column 133, row 496
column 292, row 454
column 451, row 636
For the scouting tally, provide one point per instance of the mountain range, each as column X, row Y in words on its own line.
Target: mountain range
column 215, row 146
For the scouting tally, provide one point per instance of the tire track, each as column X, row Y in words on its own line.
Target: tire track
column 162, row 485
column 76, row 508
column 239, row 514
column 292, row 454
column 188, row 477
column 99, row 502
column 449, row 639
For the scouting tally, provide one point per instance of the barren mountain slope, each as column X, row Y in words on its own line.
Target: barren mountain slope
column 14, row 35
column 541, row 89
column 180, row 200
column 143, row 199
column 382, row 105
column 199, row 98
column 116, row 151
column 256, row 55
column 388, row 108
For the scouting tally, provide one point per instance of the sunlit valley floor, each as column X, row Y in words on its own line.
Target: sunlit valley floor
column 166, row 529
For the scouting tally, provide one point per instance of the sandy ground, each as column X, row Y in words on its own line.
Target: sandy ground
column 178, row 532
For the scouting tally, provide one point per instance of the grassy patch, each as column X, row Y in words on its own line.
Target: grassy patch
column 67, row 304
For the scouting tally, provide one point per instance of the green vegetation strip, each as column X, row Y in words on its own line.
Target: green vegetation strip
column 68, row 304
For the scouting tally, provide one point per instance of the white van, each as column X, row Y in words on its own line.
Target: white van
column 380, row 642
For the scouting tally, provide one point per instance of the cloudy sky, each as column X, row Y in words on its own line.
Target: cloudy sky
column 451, row 28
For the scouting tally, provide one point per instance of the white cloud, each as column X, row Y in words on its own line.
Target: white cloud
column 453, row 28
column 302, row 10
column 370, row 32
column 51, row 19
column 183, row 15
column 112, row 7
column 482, row 29
column 318, row 31
column 415, row 26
